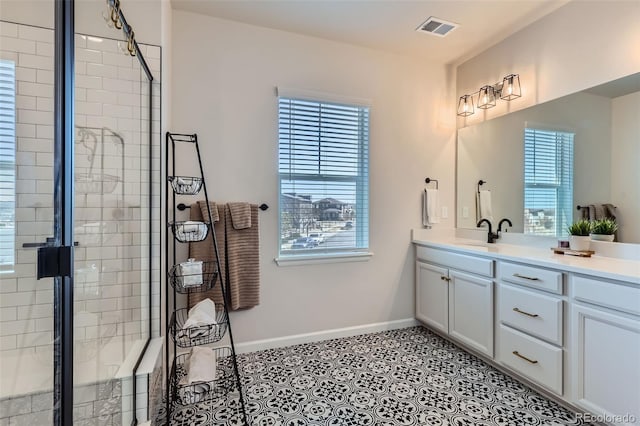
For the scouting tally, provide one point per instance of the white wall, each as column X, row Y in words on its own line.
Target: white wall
column 224, row 76
column 625, row 173
column 494, row 151
column 581, row 45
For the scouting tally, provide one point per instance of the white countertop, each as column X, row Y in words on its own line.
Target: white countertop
column 600, row 266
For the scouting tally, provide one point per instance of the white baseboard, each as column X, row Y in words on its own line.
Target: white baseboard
column 297, row 339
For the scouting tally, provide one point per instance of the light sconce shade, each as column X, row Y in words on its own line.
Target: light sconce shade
column 465, row 106
column 511, row 87
column 486, row 97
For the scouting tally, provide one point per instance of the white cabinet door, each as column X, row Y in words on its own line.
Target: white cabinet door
column 606, row 353
column 471, row 311
column 432, row 293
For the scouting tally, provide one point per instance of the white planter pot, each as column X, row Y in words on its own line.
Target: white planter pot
column 602, row 237
column 579, row 243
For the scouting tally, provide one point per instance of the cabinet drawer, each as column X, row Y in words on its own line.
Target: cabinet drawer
column 611, row 295
column 540, row 362
column 542, row 279
column 461, row 262
column 531, row 312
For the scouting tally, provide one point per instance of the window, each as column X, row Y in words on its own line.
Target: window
column 548, row 181
column 324, row 177
column 7, row 163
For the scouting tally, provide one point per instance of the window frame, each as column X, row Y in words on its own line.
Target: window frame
column 360, row 251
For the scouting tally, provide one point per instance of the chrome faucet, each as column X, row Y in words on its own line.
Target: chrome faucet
column 500, row 226
column 491, row 237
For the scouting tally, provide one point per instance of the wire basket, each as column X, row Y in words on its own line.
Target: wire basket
column 189, row 232
column 95, row 183
column 181, row 282
column 199, row 335
column 184, row 394
column 185, row 185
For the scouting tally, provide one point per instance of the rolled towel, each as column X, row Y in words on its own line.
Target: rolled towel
column 190, row 273
column 189, row 230
column 192, row 394
column 184, row 181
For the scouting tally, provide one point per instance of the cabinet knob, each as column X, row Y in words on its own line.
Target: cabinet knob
column 445, row 278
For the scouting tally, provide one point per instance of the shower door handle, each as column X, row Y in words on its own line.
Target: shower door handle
column 49, row 242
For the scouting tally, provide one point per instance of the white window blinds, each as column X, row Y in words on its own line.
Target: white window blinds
column 7, row 162
column 324, row 176
column 548, row 181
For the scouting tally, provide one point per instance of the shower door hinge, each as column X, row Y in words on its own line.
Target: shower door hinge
column 54, row 261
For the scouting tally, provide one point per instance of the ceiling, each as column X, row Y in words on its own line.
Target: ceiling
column 387, row 25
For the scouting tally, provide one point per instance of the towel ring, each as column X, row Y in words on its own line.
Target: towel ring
column 429, row 180
column 480, row 183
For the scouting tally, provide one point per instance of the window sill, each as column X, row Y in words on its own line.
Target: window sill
column 323, row 258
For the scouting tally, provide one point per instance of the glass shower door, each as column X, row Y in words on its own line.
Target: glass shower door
column 26, row 223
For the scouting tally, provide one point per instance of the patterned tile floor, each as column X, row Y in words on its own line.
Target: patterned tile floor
column 401, row 377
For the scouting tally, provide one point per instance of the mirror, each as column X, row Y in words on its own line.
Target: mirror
column 605, row 123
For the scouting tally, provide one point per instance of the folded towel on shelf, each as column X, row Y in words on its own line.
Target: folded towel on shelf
column 485, row 211
column 200, row 373
column 202, row 365
column 240, row 215
column 430, row 207
column 190, row 273
column 201, row 321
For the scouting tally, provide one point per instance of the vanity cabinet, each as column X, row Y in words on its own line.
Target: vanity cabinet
column 573, row 331
column 454, row 301
column 530, row 328
column 605, row 325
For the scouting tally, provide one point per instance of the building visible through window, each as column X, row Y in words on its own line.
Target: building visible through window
column 548, row 181
column 324, row 177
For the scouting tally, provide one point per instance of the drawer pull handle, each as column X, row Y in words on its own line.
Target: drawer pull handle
column 532, row 361
column 524, row 277
column 525, row 313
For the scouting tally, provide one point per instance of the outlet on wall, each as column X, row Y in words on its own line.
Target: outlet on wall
column 445, row 212
column 465, row 212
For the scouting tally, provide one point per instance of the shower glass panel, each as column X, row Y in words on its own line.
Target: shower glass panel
column 112, row 228
column 26, row 220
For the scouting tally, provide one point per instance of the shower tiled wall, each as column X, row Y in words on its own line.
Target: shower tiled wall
column 111, row 223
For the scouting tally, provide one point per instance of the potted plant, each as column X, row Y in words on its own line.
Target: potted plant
column 603, row 229
column 579, row 235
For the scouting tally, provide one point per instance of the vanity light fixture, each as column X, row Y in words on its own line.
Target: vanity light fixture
column 465, row 105
column 508, row 89
column 511, row 87
column 486, row 97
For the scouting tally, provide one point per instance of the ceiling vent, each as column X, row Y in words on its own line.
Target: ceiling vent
column 436, row 26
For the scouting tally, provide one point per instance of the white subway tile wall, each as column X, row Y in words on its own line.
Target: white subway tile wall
column 112, row 189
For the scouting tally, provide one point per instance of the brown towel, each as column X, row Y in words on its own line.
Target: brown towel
column 243, row 261
column 240, row 270
column 240, row 215
column 203, row 250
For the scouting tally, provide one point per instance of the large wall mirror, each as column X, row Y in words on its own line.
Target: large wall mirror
column 584, row 150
